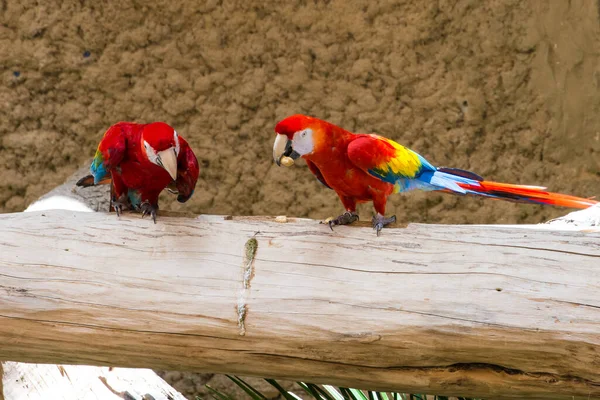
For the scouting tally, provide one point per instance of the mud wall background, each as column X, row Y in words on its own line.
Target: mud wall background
column 506, row 88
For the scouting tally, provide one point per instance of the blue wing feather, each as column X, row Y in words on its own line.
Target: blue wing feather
column 110, row 153
column 98, row 168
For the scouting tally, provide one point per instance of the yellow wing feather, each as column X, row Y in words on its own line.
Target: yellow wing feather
column 387, row 160
column 404, row 162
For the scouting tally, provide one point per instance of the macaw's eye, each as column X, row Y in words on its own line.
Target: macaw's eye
column 304, row 134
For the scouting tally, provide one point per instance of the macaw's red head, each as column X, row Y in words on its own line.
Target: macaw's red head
column 297, row 136
column 161, row 146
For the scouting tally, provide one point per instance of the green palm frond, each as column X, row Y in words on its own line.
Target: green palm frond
column 321, row 392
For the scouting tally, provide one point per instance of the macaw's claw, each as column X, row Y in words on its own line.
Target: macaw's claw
column 120, row 204
column 148, row 209
column 379, row 221
column 345, row 219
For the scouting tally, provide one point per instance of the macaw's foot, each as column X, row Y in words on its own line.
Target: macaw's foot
column 148, row 209
column 379, row 221
column 120, row 204
column 345, row 219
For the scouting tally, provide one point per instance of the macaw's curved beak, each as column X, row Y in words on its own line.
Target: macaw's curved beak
column 168, row 160
column 283, row 153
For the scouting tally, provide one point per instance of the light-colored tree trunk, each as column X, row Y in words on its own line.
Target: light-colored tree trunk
column 458, row 310
column 69, row 382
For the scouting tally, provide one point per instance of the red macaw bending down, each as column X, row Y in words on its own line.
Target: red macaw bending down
column 363, row 167
column 141, row 160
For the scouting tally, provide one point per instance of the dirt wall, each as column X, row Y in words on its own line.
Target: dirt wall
column 506, row 88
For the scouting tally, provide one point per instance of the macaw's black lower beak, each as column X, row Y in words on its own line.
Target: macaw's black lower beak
column 283, row 148
column 290, row 152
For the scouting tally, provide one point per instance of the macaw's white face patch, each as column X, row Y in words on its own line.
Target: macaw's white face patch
column 302, row 142
column 150, row 152
column 176, row 138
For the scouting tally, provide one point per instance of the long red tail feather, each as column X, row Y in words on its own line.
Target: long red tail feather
column 527, row 194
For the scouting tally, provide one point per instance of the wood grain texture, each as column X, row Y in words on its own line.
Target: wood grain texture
column 456, row 310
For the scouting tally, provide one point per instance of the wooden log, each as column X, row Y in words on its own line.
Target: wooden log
column 70, row 382
column 456, row 310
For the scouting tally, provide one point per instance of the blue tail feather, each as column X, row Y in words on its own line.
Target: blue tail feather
column 436, row 180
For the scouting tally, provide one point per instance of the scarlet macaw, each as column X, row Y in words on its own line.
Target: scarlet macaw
column 367, row 167
column 141, row 160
